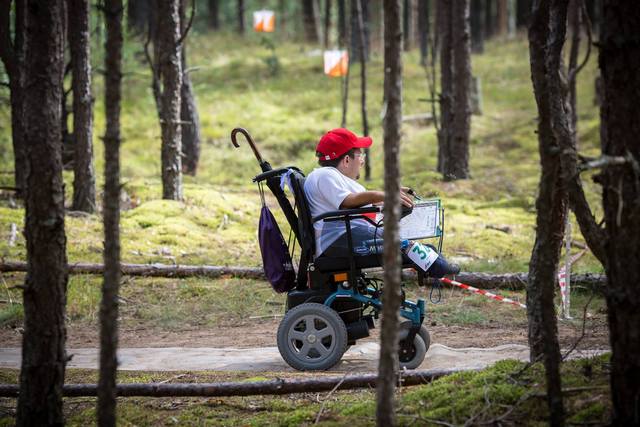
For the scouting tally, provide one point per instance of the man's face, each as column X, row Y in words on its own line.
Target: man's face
column 352, row 165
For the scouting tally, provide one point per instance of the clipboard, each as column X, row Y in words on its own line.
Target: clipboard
column 423, row 222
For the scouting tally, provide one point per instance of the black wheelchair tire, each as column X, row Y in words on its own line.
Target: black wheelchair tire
column 292, row 340
column 418, row 350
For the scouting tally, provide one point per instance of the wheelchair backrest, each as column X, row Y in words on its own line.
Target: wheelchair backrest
column 298, row 216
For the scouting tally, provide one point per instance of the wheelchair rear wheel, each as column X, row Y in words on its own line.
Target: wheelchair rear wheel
column 414, row 356
column 312, row 337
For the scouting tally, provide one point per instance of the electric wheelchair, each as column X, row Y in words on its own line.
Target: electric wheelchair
column 334, row 302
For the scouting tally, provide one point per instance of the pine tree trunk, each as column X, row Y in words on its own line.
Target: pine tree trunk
column 84, row 182
column 575, row 23
column 392, row 122
column 342, row 24
column 457, row 162
column 477, row 25
column 620, row 126
column 310, row 21
column 106, row 411
column 502, row 19
column 138, row 12
column 406, row 25
column 523, row 13
column 170, row 68
column 12, row 56
column 214, row 15
column 240, row 10
column 327, row 23
column 551, row 203
column 490, row 18
column 44, row 298
column 423, row 28
column 355, row 33
column 188, row 110
column 446, row 81
column 363, row 84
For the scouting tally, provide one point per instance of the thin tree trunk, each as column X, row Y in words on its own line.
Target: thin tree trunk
column 106, row 411
column 477, row 25
column 327, row 23
column 12, row 56
column 355, row 33
column 138, row 15
column 456, row 166
column 188, row 110
column 620, row 126
column 446, row 81
column 490, row 18
column 45, row 290
column 169, row 63
column 406, row 25
column 575, row 23
column 502, row 19
column 343, row 31
column 392, row 122
column 84, row 181
column 214, row 14
column 551, row 205
column 310, row 21
column 240, row 10
column 423, row 29
column 363, row 86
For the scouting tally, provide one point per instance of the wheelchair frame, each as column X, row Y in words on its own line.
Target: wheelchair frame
column 346, row 292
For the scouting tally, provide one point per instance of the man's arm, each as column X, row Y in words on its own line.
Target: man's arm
column 357, row 200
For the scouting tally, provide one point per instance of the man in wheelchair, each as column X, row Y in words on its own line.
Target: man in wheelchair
column 334, row 187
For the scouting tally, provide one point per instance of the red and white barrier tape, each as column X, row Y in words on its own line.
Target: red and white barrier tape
column 482, row 292
column 562, row 276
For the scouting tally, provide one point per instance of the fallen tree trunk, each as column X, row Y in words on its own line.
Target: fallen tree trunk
column 513, row 281
column 269, row 387
column 153, row 270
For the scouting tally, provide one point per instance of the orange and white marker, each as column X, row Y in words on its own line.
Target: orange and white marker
column 264, row 21
column 482, row 292
column 336, row 63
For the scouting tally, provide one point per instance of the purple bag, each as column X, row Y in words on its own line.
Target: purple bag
column 276, row 259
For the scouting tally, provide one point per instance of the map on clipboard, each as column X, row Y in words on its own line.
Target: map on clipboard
column 423, row 222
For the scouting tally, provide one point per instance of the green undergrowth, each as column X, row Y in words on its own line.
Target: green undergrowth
column 507, row 393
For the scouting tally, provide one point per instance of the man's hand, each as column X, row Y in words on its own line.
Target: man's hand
column 405, row 199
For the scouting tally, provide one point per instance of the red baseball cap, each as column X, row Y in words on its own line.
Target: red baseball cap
column 336, row 142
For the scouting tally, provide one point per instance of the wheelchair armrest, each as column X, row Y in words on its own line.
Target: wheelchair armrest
column 272, row 173
column 345, row 213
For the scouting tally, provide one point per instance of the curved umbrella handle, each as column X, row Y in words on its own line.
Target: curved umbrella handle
column 243, row 131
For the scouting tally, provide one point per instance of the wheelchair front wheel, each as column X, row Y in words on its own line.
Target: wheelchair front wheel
column 312, row 337
column 413, row 357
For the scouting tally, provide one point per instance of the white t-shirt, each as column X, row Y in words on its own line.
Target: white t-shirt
column 326, row 188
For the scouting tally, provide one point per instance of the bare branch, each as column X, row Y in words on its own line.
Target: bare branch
column 189, row 24
column 602, row 162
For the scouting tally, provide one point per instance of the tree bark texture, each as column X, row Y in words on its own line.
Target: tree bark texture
column 355, row 29
column 84, row 181
column 446, row 80
column 620, row 126
column 502, row 20
column 456, row 165
column 45, row 292
column 477, row 25
column 423, row 30
column 310, row 22
column 106, row 411
column 551, row 206
column 214, row 14
column 190, row 118
column 575, row 23
column 392, row 123
column 12, row 56
column 278, row 386
column 363, row 84
column 170, row 68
